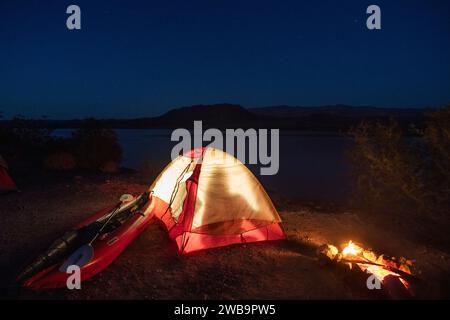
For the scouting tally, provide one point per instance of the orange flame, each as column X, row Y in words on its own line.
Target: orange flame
column 379, row 272
column 351, row 249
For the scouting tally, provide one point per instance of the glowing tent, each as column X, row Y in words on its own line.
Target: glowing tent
column 6, row 183
column 207, row 198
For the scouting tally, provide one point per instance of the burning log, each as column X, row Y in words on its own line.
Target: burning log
column 394, row 274
column 328, row 253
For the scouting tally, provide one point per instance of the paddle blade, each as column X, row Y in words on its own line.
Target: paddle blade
column 81, row 257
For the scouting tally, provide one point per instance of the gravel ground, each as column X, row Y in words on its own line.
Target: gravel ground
column 151, row 268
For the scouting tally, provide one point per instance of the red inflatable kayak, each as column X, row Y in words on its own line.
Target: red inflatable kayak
column 108, row 233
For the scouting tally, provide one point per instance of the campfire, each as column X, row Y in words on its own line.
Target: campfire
column 385, row 269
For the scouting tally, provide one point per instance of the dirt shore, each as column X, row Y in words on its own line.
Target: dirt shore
column 151, row 268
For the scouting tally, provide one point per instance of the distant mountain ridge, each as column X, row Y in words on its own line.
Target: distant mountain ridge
column 339, row 110
column 212, row 115
column 283, row 116
column 226, row 115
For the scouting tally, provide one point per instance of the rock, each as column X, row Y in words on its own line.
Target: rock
column 327, row 253
column 109, row 167
column 60, row 161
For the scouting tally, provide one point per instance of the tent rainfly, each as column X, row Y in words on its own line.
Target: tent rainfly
column 207, row 198
column 6, row 183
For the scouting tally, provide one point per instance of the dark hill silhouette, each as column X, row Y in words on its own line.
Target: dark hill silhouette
column 321, row 118
column 336, row 110
column 216, row 115
column 336, row 117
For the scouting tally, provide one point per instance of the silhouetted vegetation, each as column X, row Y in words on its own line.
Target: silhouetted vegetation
column 27, row 144
column 24, row 132
column 96, row 147
column 395, row 171
column 60, row 161
column 23, row 142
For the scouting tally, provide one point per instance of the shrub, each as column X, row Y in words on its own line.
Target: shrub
column 394, row 171
column 27, row 132
column 25, row 141
column 60, row 161
column 437, row 159
column 109, row 167
column 94, row 146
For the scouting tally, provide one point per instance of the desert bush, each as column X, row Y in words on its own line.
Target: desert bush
column 94, row 147
column 90, row 147
column 109, row 167
column 396, row 171
column 25, row 141
column 60, row 161
column 384, row 166
column 26, row 132
column 437, row 158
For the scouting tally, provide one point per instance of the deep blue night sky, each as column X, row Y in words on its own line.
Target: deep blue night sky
column 141, row 58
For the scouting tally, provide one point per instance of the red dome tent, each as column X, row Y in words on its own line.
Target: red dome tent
column 6, row 183
column 207, row 199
